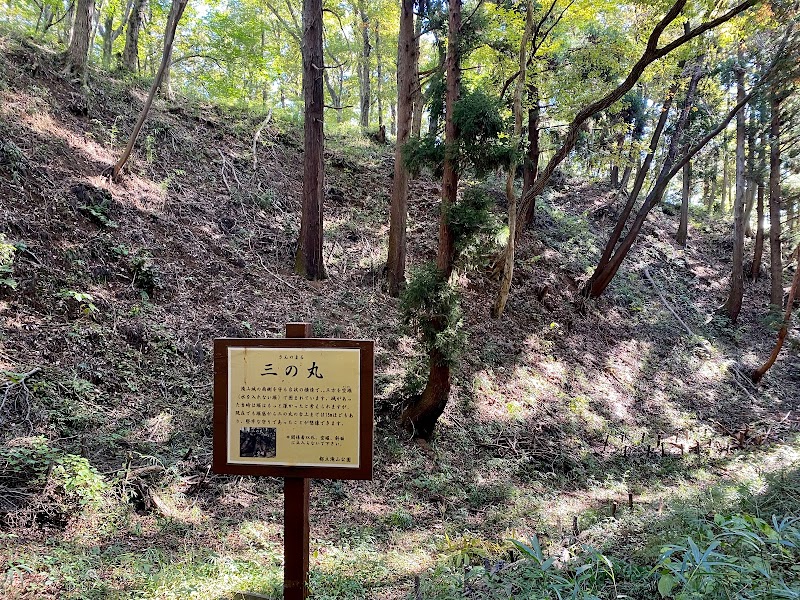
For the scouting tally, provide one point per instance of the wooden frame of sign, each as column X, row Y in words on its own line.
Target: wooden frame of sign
column 284, row 432
column 303, row 407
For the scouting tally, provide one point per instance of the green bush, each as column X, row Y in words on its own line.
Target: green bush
column 430, row 307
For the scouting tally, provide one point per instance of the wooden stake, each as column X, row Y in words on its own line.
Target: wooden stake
column 575, row 531
column 614, row 509
column 295, row 515
column 630, row 500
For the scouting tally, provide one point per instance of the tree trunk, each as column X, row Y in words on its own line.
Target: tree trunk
column 108, row 41
column 78, row 51
column 175, row 14
column 787, row 318
column 418, row 99
column 396, row 262
column 530, row 167
column 775, row 258
column 130, row 54
column 723, row 203
column 733, row 305
column 750, row 175
column 309, row 262
column 683, row 226
column 336, row 98
column 365, row 92
column 637, row 188
column 65, row 31
column 378, row 76
column 511, row 196
column 755, row 269
column 421, row 416
column 603, row 275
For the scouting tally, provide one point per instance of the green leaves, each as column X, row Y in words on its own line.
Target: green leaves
column 7, row 263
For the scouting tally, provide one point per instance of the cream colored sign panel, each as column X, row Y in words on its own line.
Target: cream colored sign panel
column 294, row 406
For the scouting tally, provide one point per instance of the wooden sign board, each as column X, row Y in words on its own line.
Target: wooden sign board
column 295, row 407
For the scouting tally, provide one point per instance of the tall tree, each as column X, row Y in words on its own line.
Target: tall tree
column 421, row 416
column 775, row 259
column 78, row 50
column 733, row 305
column 511, row 194
column 309, row 261
column 604, row 274
column 130, row 54
column 406, row 83
column 365, row 90
column 175, row 13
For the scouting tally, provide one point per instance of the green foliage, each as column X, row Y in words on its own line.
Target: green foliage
column 34, row 463
column 474, row 227
column 146, row 275
column 99, row 211
column 7, row 263
column 739, row 556
column 83, row 300
column 13, row 160
column 481, row 145
column 430, row 307
column 424, row 151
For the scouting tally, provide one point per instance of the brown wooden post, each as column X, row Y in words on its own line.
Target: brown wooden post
column 295, row 516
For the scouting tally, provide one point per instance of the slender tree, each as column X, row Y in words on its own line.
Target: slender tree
column 683, row 226
column 787, row 318
column 733, row 305
column 775, row 259
column 308, row 261
column 396, row 262
column 421, row 416
column 511, row 195
column 175, row 14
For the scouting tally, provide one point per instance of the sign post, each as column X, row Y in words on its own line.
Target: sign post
column 296, row 408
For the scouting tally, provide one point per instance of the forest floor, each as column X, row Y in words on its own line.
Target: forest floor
column 558, row 409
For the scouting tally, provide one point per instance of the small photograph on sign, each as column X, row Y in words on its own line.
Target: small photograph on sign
column 257, row 442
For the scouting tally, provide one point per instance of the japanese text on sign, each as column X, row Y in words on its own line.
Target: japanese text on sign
column 293, row 406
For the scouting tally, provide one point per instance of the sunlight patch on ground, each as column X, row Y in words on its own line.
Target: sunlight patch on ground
column 43, row 123
column 135, row 192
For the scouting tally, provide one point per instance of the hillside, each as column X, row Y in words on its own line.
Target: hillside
column 558, row 410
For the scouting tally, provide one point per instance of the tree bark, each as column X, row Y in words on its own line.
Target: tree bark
column 365, row 92
column 418, row 99
column 78, row 51
column 755, row 269
column 787, row 318
column 378, row 76
column 422, row 415
column 530, row 167
column 733, row 305
column 396, row 262
column 511, row 195
column 775, row 258
column 683, row 226
column 723, row 203
column 130, row 54
column 309, row 261
column 750, row 175
column 175, row 14
column 603, row 276
column 641, row 175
